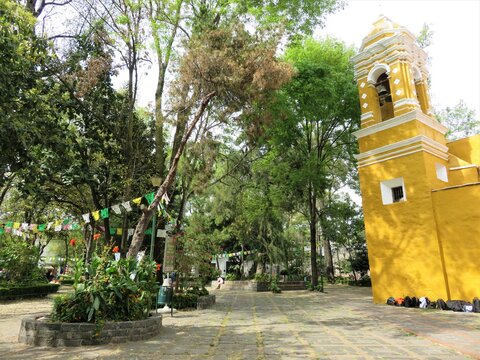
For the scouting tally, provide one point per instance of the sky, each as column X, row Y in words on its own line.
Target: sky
column 454, row 53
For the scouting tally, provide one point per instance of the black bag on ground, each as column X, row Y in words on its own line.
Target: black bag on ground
column 415, row 302
column 441, row 305
column 476, row 305
column 432, row 305
column 390, row 301
column 456, row 305
column 407, row 302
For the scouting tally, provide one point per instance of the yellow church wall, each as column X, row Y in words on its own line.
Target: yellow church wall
column 401, row 237
column 467, row 149
column 457, row 213
column 398, row 133
column 462, row 176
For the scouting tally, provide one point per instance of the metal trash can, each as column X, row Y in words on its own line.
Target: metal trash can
column 165, row 297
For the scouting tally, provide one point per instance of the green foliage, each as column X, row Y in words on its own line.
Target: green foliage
column 19, row 261
column 460, row 121
column 26, row 291
column 185, row 301
column 273, row 286
column 263, row 277
column 114, row 290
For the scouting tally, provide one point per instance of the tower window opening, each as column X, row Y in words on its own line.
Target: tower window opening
column 397, row 194
column 384, row 96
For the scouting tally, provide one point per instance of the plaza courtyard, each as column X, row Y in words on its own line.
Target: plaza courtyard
column 341, row 323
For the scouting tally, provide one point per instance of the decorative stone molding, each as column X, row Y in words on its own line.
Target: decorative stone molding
column 38, row 330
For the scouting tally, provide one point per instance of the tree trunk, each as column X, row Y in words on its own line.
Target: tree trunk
column 313, row 235
column 327, row 249
column 148, row 212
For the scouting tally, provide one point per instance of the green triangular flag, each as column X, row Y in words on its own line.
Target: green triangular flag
column 66, row 222
column 9, row 224
column 113, row 231
column 104, row 213
column 1, row 231
column 75, row 226
column 148, row 231
column 42, row 227
column 150, row 197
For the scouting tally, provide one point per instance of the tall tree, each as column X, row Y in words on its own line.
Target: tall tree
column 318, row 112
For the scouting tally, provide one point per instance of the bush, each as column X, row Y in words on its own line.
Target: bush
column 32, row 290
column 274, row 286
column 198, row 291
column 263, row 277
column 114, row 290
column 231, row 277
column 19, row 262
column 184, row 301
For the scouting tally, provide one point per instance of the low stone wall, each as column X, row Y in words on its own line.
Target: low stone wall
column 205, row 302
column 260, row 286
column 38, row 330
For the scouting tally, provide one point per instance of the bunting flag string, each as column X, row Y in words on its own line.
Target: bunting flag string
column 68, row 224
column 229, row 255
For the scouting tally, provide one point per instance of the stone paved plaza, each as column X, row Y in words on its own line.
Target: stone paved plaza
column 339, row 324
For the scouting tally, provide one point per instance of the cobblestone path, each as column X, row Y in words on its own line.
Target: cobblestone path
column 339, row 324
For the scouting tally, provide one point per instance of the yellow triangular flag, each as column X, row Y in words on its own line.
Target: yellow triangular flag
column 119, row 231
column 137, row 200
column 96, row 215
column 16, row 225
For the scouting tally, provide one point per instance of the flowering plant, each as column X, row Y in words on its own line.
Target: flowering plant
column 115, row 249
column 159, row 266
column 96, row 236
column 73, row 242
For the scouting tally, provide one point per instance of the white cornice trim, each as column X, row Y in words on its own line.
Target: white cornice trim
column 402, row 119
column 405, row 101
column 417, row 140
column 463, row 167
column 366, row 116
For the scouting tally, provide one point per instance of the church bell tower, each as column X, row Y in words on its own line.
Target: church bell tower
column 403, row 156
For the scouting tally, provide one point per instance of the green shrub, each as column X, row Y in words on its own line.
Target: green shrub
column 198, row 291
column 113, row 290
column 263, row 277
column 24, row 291
column 185, row 301
column 273, row 286
column 19, row 262
column 231, row 277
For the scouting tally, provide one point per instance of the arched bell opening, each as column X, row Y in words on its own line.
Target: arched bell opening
column 382, row 86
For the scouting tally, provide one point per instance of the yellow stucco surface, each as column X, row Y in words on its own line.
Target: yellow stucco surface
column 401, row 237
column 467, row 149
column 428, row 244
column 457, row 212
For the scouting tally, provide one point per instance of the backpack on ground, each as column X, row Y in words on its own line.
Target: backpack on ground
column 390, row 301
column 441, row 305
column 432, row 305
column 415, row 302
column 407, row 302
column 399, row 301
column 455, row 305
column 476, row 305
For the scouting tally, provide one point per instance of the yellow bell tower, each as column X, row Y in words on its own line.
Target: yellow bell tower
column 403, row 156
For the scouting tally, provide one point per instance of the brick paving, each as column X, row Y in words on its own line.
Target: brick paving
column 339, row 324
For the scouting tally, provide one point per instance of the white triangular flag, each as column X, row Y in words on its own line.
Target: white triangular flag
column 165, row 198
column 58, row 228
column 49, row 225
column 24, row 226
column 130, row 232
column 127, row 206
column 86, row 217
column 116, row 209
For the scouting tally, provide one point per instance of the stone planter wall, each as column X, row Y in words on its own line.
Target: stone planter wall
column 205, row 302
column 260, row 286
column 37, row 330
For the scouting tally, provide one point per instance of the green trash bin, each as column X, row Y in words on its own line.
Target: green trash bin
column 165, row 297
